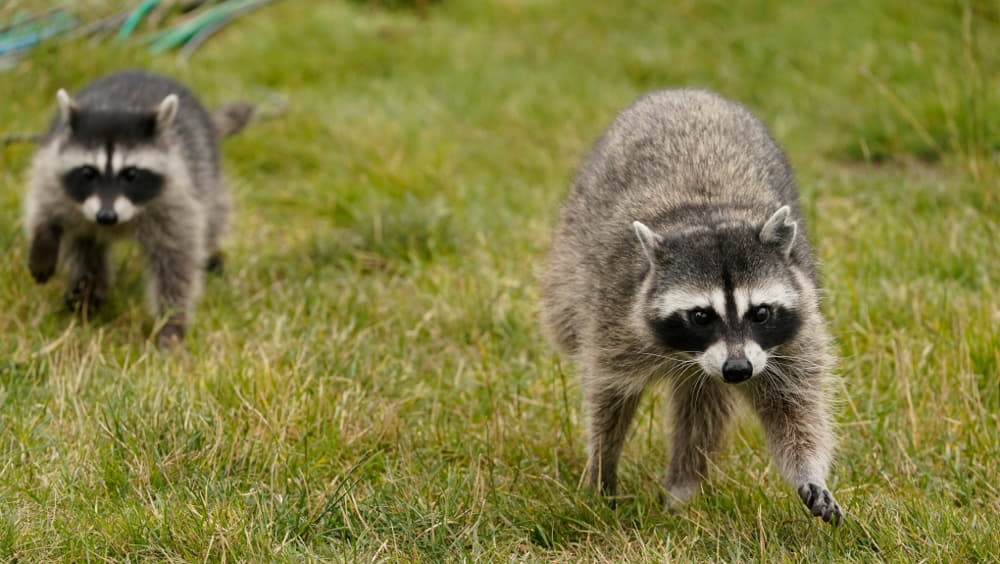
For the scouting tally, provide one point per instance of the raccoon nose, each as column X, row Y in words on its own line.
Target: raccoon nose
column 107, row 217
column 736, row 370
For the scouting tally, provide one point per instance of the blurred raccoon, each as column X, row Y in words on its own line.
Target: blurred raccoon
column 681, row 256
column 133, row 154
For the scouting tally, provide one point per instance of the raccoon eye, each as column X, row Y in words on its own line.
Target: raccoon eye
column 129, row 174
column 761, row 314
column 700, row 317
column 88, row 173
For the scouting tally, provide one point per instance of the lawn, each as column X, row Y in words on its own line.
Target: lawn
column 367, row 380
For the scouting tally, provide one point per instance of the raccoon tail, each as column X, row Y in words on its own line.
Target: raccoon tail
column 228, row 119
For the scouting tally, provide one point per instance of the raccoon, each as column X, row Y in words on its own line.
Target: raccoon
column 136, row 155
column 681, row 256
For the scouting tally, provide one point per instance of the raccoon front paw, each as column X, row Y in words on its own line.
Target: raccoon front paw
column 85, row 295
column 820, row 501
column 677, row 495
column 44, row 252
column 171, row 335
column 41, row 270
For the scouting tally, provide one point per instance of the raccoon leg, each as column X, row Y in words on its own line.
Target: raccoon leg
column 44, row 253
column 87, row 262
column 798, row 432
column 701, row 407
column 174, row 260
column 609, row 413
column 218, row 217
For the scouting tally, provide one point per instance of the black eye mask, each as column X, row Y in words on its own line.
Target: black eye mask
column 139, row 184
column 688, row 331
column 81, row 182
column 781, row 326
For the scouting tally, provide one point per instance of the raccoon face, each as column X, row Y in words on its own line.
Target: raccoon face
column 111, row 162
column 727, row 295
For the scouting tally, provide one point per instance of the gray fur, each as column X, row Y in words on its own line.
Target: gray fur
column 231, row 118
column 686, row 199
column 178, row 229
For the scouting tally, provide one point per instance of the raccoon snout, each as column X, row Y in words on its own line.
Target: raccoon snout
column 107, row 217
column 736, row 370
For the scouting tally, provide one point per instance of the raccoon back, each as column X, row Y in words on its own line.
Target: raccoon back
column 675, row 152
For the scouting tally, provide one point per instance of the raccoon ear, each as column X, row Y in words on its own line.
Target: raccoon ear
column 166, row 112
column 649, row 240
column 780, row 230
column 67, row 107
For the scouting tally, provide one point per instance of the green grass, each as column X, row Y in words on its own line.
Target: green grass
column 367, row 381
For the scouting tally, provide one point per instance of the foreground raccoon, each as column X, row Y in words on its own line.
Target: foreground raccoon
column 680, row 257
column 132, row 155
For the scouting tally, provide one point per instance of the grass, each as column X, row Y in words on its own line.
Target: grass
column 367, row 380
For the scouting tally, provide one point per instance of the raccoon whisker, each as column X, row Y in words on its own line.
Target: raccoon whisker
column 777, row 355
column 700, row 386
column 680, row 376
column 691, row 377
column 797, row 359
column 792, row 365
column 688, row 365
column 777, row 363
column 785, row 384
column 679, row 360
column 692, row 372
column 792, row 357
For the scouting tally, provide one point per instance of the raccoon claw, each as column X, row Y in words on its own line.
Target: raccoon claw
column 820, row 502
